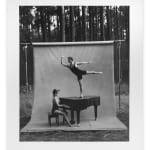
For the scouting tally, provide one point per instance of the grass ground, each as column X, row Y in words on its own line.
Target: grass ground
column 122, row 114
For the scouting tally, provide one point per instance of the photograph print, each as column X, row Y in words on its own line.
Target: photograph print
column 74, row 73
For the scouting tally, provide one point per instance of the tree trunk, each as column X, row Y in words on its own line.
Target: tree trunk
column 72, row 23
column 42, row 22
column 94, row 26
column 58, row 23
column 80, row 28
column 38, row 30
column 97, row 24
column 84, row 28
column 101, row 24
column 116, row 23
column 49, row 29
column 108, row 37
column 119, row 24
column 127, row 12
column 91, row 22
column 58, row 28
column 110, row 23
column 62, row 24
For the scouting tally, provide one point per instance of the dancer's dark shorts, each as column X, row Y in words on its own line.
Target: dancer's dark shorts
column 80, row 74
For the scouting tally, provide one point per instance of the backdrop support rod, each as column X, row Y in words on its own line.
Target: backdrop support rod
column 119, row 75
column 26, row 64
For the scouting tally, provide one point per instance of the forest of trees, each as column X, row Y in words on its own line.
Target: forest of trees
column 71, row 24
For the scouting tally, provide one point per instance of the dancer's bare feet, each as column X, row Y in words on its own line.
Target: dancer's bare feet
column 81, row 96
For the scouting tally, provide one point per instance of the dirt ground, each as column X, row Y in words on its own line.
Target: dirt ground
column 117, row 135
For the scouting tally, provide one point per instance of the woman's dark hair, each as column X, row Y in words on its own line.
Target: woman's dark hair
column 70, row 58
column 55, row 91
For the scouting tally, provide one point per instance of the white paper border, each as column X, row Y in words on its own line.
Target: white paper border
column 136, row 78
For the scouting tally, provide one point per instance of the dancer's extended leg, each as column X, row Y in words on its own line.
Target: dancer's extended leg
column 94, row 72
column 81, row 88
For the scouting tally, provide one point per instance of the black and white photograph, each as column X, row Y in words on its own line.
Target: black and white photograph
column 74, row 73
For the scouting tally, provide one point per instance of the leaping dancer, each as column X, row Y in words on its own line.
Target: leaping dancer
column 73, row 66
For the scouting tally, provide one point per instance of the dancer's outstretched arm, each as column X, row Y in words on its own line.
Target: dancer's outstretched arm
column 64, row 64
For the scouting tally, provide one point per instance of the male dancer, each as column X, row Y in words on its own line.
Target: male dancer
column 73, row 66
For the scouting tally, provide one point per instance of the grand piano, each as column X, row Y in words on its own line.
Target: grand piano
column 77, row 104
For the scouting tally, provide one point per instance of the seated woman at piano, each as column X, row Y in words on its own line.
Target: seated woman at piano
column 73, row 66
column 58, row 108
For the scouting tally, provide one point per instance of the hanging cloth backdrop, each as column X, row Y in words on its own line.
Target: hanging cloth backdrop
column 50, row 74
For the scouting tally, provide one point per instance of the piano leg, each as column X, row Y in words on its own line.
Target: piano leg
column 72, row 117
column 78, row 117
column 95, row 111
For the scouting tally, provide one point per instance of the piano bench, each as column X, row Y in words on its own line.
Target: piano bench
column 50, row 116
